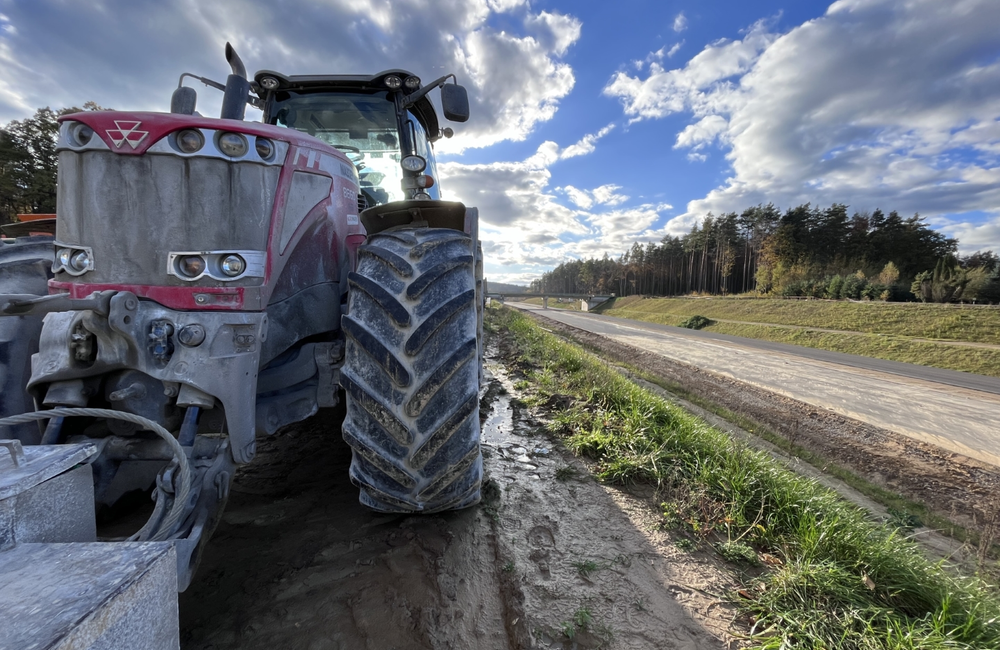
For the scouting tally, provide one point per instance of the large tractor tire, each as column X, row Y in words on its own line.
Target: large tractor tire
column 25, row 268
column 411, row 372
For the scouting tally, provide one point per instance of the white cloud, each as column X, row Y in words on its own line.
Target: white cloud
column 674, row 50
column 877, row 103
column 580, row 198
column 603, row 195
column 587, row 143
column 527, row 227
column 128, row 56
column 559, row 31
column 701, row 86
column 680, row 22
column 608, row 195
column 701, row 133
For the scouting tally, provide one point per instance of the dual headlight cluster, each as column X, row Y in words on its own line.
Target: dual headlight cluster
column 218, row 265
column 394, row 82
column 73, row 260
column 234, row 145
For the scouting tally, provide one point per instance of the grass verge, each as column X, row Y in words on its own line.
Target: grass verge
column 861, row 341
column 933, row 321
column 836, row 580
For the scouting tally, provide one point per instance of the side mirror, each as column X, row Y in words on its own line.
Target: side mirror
column 455, row 102
column 184, row 101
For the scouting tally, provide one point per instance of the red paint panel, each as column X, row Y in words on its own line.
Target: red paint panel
column 218, row 298
column 133, row 133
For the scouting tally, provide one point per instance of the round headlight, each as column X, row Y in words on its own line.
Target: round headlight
column 81, row 134
column 422, row 196
column 269, row 83
column 64, row 255
column 392, row 82
column 264, row 147
column 80, row 261
column 233, row 145
column 413, row 163
column 412, row 83
column 190, row 140
column 233, row 265
column 191, row 265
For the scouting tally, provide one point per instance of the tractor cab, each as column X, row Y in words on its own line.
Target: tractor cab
column 384, row 123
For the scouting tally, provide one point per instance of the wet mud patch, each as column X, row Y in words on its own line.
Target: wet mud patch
column 549, row 559
column 298, row 563
column 588, row 563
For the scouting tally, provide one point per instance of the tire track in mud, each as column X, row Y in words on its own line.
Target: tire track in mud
column 297, row 562
column 589, row 562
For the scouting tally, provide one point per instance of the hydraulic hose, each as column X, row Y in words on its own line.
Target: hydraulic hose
column 184, row 467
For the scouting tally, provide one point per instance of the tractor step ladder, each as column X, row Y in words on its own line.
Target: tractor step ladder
column 60, row 589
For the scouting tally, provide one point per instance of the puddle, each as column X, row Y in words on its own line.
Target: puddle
column 503, row 437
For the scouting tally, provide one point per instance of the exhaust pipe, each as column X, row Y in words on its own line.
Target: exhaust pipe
column 234, row 102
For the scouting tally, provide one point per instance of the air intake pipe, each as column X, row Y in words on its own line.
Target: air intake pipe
column 234, row 102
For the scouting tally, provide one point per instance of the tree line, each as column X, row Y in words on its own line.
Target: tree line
column 28, row 162
column 804, row 251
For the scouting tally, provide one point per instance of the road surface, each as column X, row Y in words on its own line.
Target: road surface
column 953, row 410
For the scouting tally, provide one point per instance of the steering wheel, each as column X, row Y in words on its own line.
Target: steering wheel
column 346, row 148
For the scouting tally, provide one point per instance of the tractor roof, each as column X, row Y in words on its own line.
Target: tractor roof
column 423, row 109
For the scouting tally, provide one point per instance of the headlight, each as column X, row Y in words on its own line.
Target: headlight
column 80, row 261
column 75, row 260
column 413, row 163
column 232, row 265
column 412, row 83
column 392, row 82
column 264, row 147
column 221, row 266
column 191, row 265
column 269, row 83
column 190, row 140
column 233, row 145
column 80, row 134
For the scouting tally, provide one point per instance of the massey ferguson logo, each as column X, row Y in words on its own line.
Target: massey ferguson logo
column 127, row 131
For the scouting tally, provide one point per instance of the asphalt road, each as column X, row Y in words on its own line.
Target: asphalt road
column 954, row 410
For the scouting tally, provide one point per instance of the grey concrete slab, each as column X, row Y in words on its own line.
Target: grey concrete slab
column 99, row 596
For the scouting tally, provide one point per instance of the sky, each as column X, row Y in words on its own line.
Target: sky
column 596, row 124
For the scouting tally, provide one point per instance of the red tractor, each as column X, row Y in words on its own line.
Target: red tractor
column 212, row 280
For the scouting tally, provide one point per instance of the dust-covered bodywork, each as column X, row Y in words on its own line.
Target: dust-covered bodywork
column 199, row 280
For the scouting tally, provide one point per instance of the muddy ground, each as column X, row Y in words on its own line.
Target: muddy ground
column 551, row 559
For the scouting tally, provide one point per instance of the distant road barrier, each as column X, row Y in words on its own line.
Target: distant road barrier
column 587, row 300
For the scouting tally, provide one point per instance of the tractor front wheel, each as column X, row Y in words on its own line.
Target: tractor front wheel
column 25, row 268
column 411, row 372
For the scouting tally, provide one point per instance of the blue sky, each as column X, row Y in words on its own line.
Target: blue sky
column 597, row 124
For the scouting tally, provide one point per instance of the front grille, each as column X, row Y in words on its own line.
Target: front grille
column 133, row 210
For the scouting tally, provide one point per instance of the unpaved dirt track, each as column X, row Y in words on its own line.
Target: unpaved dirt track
column 298, row 563
column 962, row 489
column 957, row 419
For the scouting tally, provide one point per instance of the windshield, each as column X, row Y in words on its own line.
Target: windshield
column 362, row 125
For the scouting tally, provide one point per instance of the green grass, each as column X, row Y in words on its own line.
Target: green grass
column 933, row 321
column 981, row 361
column 877, row 330
column 842, row 582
